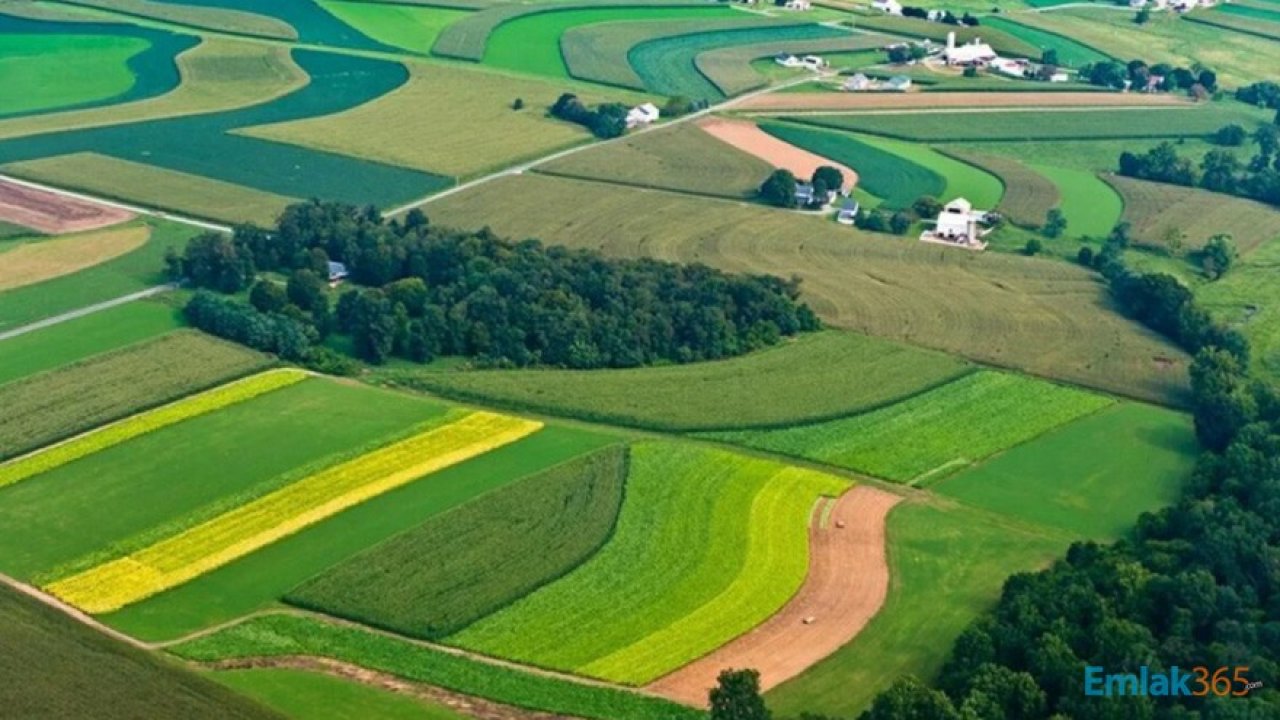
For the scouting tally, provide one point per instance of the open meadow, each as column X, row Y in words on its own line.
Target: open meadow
column 1177, row 219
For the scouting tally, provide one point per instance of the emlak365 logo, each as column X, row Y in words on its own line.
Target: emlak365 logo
column 1197, row 681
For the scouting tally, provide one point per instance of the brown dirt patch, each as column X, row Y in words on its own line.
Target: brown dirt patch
column 934, row 100
column 847, row 583
column 54, row 214
column 749, row 138
column 41, row 260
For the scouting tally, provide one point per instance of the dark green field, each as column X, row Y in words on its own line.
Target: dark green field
column 312, row 696
column 314, row 24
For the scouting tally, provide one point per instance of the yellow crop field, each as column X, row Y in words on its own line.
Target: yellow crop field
column 252, row 526
column 46, row 459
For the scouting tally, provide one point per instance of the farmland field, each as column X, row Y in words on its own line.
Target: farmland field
column 733, row 69
column 55, row 667
column 600, row 53
column 464, row 564
column 1002, row 42
column 1161, row 212
column 708, row 544
column 981, row 188
column 403, row 26
column 1070, row 52
column 311, row 22
column 1028, row 195
column 236, row 22
column 310, row 695
column 681, row 158
column 1091, row 206
column 1249, row 298
column 286, row 635
column 1042, row 316
column 1090, row 477
column 1252, row 12
column 34, row 262
column 1238, row 23
column 48, row 407
column 929, row 435
column 820, row 376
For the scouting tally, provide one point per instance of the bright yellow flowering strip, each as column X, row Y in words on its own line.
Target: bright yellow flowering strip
column 54, row 456
column 237, row 533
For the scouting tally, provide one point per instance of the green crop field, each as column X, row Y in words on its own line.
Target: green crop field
column 1070, row 52
column 1028, row 195
column 1002, row 42
column 286, row 635
column 681, row 158
column 1047, row 317
column 115, row 498
column 1064, row 124
column 887, row 175
column 733, row 69
column 930, row 435
column 948, row 565
column 708, row 545
column 1229, row 21
column 454, row 121
column 464, row 564
column 1253, row 12
column 981, row 188
column 312, row 24
column 1174, row 217
column 45, row 72
column 599, row 53
column 48, row 407
column 260, row 579
column 820, row 376
column 236, row 22
column 412, row 28
column 79, row 338
column 55, row 667
column 1091, row 206
column 1091, row 478
column 304, row 694
column 668, row 65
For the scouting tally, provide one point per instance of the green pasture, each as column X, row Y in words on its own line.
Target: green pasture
column 1092, row 477
column 287, row 635
column 409, row 27
column 668, row 65
column 1070, row 52
column 1248, row 298
column 1092, row 207
column 464, row 564
column 77, row 339
column 314, row 25
column 883, row 173
column 54, row 666
column 58, row 404
column 314, row 696
column 708, row 545
column 1028, row 194
column 1180, row 220
column 948, row 565
column 600, row 53
column 980, row 187
column 926, row 437
column 819, row 376
column 260, row 579
column 1237, row 23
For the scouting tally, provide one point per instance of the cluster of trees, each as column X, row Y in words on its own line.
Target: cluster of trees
column 420, row 292
column 607, row 120
column 946, row 17
column 779, row 189
column 1219, row 171
column 1264, row 94
column 906, row 52
column 1198, row 81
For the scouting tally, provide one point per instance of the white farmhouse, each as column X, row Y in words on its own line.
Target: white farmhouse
column 643, row 115
column 798, row 5
column 857, row 83
column 897, row 83
column 892, row 7
column 972, row 53
column 1010, row 67
column 958, row 224
column 813, row 62
column 788, row 60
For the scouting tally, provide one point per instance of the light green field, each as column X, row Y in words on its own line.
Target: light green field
column 599, row 53
column 962, row 179
column 1090, row 478
column 926, row 437
column 1043, row 316
column 1248, row 297
column 1092, row 207
column 1028, row 195
column 44, row 72
column 820, row 376
column 258, row 580
column 77, row 339
column 219, row 19
column 312, row 696
column 155, row 187
column 708, row 545
column 1161, row 213
column 735, row 70
column 413, row 28
column 1070, row 52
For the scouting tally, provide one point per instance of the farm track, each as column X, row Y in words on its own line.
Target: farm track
column 847, row 584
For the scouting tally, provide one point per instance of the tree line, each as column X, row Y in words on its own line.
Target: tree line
column 1197, row 81
column 1220, row 170
column 419, row 292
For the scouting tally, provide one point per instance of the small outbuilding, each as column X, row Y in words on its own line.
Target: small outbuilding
column 643, row 115
column 337, row 272
column 897, row 83
column 892, row 7
column 857, row 83
column 848, row 214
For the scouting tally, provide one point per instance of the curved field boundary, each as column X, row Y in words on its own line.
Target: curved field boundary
column 852, row 101
column 467, row 38
column 1071, row 52
column 54, row 214
column 748, row 137
column 600, row 53
column 1160, row 212
column 1028, row 195
column 1092, row 208
column 34, row 262
column 237, row 533
column 847, row 584
column 1234, row 23
column 106, row 436
column 729, row 69
column 235, row 22
column 1000, row 41
column 963, row 179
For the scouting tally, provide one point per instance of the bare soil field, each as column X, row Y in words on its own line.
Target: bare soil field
column 847, row 584
column 35, row 262
column 746, row 136
column 54, row 214
column 929, row 101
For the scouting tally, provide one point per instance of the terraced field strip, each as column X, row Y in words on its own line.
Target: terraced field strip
column 34, row 262
column 746, row 136
column 1002, row 42
column 1180, row 218
column 849, row 101
column 235, row 22
column 730, row 69
column 222, row 540
column 1070, row 52
column 847, row 583
column 51, row 213
column 1091, row 206
column 413, row 28
column 1245, row 25
column 1028, row 195
column 104, row 437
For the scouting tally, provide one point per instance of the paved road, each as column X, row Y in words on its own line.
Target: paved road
column 87, row 310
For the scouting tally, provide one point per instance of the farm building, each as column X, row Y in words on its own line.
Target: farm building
column 1010, row 67
column 798, row 5
column 973, row 53
column 897, row 83
column 958, row 224
column 807, row 194
column 337, row 272
column 857, row 83
column 813, row 62
column 643, row 115
column 788, row 60
column 892, row 7
column 848, row 214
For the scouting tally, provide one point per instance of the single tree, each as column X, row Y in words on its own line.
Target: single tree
column 1049, row 57
column 1055, row 223
column 1217, row 256
column 900, row 223
column 779, row 189
column 737, row 697
column 1143, row 16
column 1033, row 247
column 517, row 104
column 267, row 296
column 1085, row 256
column 927, row 206
column 830, row 177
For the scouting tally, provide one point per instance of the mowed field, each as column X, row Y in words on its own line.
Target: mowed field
column 64, row 70
column 1167, row 215
column 812, row 377
column 316, row 696
column 408, row 27
column 1045, row 317
column 44, row 259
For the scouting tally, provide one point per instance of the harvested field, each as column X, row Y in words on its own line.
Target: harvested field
column 53, row 214
column 847, row 101
column 1045, row 317
column 1182, row 218
column 847, row 583
column 1028, row 195
column 35, row 262
column 748, row 137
